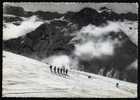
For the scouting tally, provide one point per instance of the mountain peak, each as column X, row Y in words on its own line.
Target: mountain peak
column 88, row 10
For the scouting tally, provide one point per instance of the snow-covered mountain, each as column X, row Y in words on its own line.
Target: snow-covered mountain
column 25, row 77
column 101, row 42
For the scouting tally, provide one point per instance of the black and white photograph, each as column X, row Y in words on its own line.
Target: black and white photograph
column 70, row 49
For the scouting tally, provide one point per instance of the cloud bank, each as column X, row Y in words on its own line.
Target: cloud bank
column 97, row 42
column 11, row 31
column 61, row 60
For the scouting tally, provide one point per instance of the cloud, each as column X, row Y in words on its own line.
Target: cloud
column 12, row 31
column 97, row 42
column 91, row 49
column 101, row 30
column 128, row 27
column 61, row 60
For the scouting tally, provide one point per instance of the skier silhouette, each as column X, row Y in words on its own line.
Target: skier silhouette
column 66, row 71
column 117, row 85
column 89, row 76
column 61, row 70
column 51, row 68
column 58, row 70
column 54, row 69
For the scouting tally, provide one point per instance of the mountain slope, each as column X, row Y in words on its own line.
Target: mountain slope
column 54, row 35
column 25, row 77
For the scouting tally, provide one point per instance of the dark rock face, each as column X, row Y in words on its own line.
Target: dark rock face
column 43, row 42
column 47, row 15
column 91, row 16
column 11, row 19
column 54, row 37
column 131, row 75
column 123, row 56
column 87, row 16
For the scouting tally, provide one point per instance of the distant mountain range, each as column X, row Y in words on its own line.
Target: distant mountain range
column 100, row 16
column 54, row 37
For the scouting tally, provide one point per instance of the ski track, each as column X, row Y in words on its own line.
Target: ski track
column 25, row 77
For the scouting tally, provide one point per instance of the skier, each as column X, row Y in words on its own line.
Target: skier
column 117, row 85
column 89, row 76
column 51, row 68
column 54, row 69
column 61, row 70
column 66, row 71
column 58, row 70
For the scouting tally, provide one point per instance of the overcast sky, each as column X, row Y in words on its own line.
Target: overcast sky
column 64, row 7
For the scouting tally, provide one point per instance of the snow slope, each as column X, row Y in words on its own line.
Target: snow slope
column 25, row 77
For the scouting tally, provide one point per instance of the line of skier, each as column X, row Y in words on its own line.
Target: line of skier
column 58, row 70
column 64, row 71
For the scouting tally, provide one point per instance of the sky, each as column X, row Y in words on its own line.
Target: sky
column 62, row 7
